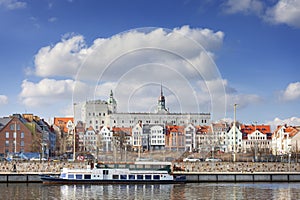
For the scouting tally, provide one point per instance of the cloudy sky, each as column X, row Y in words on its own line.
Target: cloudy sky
column 207, row 55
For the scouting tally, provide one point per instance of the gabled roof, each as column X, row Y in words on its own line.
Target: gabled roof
column 248, row 129
column 62, row 122
column 203, row 129
column 175, row 128
column 4, row 121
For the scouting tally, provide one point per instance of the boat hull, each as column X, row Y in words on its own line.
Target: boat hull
column 56, row 180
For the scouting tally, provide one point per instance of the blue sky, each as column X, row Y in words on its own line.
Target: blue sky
column 54, row 53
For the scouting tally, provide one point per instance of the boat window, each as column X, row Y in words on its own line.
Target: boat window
column 63, row 175
column 71, row 176
column 156, row 177
column 78, row 176
column 87, row 176
column 131, row 177
column 123, row 177
column 105, row 172
column 115, row 176
column 139, row 177
column 147, row 177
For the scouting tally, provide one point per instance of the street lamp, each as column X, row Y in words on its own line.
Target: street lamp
column 234, row 133
column 74, row 132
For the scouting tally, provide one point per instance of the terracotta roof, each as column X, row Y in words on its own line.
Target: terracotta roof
column 62, row 122
column 203, row 129
column 248, row 129
column 175, row 129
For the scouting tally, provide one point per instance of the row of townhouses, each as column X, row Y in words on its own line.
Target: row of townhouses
column 29, row 133
column 102, row 129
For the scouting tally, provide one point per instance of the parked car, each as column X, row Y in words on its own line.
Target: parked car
column 213, row 160
column 191, row 160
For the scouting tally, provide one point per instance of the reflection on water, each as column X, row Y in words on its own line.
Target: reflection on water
column 156, row 191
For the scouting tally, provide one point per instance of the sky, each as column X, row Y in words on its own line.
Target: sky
column 206, row 55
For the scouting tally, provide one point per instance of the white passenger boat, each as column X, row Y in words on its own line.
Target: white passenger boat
column 140, row 172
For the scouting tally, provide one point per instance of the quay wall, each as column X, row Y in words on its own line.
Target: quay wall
column 240, row 177
column 195, row 172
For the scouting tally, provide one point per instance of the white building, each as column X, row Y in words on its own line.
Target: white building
column 190, row 138
column 98, row 113
column 256, row 138
column 90, row 141
column 285, row 140
column 234, row 139
column 106, row 137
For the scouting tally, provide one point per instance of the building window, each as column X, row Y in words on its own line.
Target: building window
column 7, row 135
column 22, row 143
column 6, row 143
column 22, row 134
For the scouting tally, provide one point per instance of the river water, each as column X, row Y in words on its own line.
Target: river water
column 169, row 191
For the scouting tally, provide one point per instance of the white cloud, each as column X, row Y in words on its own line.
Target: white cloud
column 285, row 12
column 292, row 92
column 50, row 91
column 282, row 12
column 116, row 55
column 13, row 4
column 134, row 64
column 52, row 19
column 243, row 6
column 62, row 59
column 3, row 99
column 293, row 121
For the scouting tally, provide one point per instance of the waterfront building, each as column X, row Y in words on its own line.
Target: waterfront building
column 175, row 138
column 286, row 140
column 63, row 127
column 90, row 141
column 106, row 136
column 204, row 139
column 190, row 138
column 234, row 139
column 99, row 113
column 220, row 130
column 26, row 133
column 15, row 136
column 256, row 138
column 154, row 136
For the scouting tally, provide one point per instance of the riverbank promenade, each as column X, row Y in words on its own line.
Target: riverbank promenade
column 214, row 167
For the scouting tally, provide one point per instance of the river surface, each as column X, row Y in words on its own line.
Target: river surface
column 177, row 191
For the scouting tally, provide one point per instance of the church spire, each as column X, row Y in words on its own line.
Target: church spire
column 161, row 104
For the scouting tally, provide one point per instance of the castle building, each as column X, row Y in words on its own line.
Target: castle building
column 99, row 113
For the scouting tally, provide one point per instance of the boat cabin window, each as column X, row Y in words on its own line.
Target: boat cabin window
column 156, row 177
column 105, row 172
column 78, row 176
column 71, row 176
column 148, row 177
column 115, row 176
column 139, row 177
column 131, row 177
column 123, row 177
column 63, row 175
column 87, row 176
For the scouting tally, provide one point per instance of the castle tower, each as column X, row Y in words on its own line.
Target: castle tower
column 112, row 103
column 161, row 105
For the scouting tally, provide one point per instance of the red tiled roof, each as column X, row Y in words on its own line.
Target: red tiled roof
column 62, row 122
column 248, row 129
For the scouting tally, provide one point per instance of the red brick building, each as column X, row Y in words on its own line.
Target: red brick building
column 15, row 136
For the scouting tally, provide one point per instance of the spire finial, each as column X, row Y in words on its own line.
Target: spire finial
column 161, row 91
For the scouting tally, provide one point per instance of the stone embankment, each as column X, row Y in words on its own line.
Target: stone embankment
column 38, row 167
column 55, row 167
column 236, row 167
